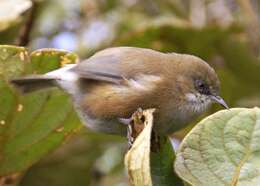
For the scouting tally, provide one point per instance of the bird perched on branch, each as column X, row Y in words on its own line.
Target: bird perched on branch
column 110, row 86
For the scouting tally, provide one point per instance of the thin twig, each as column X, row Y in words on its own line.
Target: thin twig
column 24, row 36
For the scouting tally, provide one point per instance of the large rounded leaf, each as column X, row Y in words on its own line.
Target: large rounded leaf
column 31, row 125
column 223, row 149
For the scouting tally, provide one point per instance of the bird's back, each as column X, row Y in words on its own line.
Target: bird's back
column 120, row 81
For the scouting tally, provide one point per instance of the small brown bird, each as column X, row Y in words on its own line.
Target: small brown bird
column 112, row 84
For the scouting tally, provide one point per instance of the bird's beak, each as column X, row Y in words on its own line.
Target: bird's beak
column 219, row 100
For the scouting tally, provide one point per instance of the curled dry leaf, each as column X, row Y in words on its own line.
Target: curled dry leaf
column 137, row 159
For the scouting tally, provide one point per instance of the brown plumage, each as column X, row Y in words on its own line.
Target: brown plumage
column 115, row 82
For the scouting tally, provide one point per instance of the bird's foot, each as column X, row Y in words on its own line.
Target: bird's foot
column 127, row 122
column 133, row 128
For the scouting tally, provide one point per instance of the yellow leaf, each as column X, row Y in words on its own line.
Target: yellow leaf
column 137, row 159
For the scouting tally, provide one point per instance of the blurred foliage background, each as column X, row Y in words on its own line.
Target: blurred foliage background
column 225, row 33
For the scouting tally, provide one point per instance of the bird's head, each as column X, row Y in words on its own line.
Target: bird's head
column 201, row 84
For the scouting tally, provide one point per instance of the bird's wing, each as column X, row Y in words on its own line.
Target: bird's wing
column 102, row 68
column 118, row 64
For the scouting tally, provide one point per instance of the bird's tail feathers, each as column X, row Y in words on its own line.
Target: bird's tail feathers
column 33, row 83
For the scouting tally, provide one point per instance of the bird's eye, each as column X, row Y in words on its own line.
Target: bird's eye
column 202, row 87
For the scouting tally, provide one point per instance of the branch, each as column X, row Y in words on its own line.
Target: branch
column 24, row 35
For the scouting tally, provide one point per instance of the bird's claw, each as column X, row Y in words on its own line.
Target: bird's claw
column 127, row 122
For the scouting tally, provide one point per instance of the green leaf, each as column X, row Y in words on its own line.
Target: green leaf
column 13, row 61
column 223, row 149
column 161, row 165
column 85, row 160
column 169, row 36
column 31, row 125
column 240, row 60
